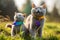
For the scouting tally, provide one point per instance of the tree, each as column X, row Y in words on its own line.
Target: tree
column 27, row 8
column 8, row 8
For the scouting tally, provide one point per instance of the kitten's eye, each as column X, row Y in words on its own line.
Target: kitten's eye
column 19, row 15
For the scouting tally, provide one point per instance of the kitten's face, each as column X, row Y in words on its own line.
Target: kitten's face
column 38, row 11
column 19, row 17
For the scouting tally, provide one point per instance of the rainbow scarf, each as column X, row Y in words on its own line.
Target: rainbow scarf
column 37, row 23
column 17, row 23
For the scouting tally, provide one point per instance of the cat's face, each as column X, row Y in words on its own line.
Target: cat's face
column 18, row 17
column 37, row 11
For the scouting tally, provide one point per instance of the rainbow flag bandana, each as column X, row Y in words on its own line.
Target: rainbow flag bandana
column 17, row 23
column 37, row 23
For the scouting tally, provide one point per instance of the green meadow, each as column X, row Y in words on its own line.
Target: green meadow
column 51, row 31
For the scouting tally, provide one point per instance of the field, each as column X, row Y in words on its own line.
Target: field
column 51, row 31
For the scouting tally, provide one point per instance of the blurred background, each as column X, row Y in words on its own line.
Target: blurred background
column 9, row 7
column 51, row 29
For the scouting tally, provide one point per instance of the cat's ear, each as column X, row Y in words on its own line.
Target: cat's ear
column 33, row 5
column 44, row 5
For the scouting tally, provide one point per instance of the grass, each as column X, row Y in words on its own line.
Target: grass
column 51, row 31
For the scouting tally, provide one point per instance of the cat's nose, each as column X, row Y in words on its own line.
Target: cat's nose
column 38, row 11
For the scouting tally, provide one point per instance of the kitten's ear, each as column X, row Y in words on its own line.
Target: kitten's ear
column 33, row 5
column 24, row 15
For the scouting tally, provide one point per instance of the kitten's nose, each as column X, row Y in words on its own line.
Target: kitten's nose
column 38, row 11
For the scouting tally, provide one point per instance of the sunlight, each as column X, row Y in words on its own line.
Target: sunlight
column 36, row 2
column 19, row 3
column 50, row 5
